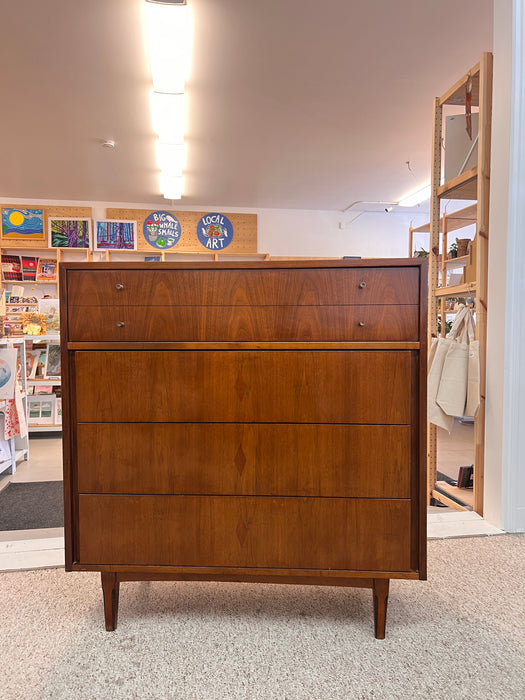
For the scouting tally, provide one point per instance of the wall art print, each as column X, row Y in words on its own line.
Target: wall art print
column 69, row 233
column 162, row 229
column 215, row 231
column 23, row 224
column 114, row 234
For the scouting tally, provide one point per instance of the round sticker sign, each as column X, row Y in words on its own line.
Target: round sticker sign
column 161, row 229
column 215, row 231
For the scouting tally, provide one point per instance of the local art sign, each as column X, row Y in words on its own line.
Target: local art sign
column 161, row 229
column 215, row 231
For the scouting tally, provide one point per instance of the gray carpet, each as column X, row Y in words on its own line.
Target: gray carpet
column 459, row 635
column 31, row 505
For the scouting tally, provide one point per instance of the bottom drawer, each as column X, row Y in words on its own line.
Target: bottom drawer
column 245, row 531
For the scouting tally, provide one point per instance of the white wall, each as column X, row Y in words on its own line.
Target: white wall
column 297, row 232
column 499, row 195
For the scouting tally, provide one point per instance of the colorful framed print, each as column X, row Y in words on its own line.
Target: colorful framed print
column 112, row 234
column 23, row 224
column 69, row 233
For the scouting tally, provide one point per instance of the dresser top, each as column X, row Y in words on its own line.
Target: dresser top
column 247, row 264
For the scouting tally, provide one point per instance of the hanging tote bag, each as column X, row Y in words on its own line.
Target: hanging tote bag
column 452, row 392
column 436, row 360
column 473, row 395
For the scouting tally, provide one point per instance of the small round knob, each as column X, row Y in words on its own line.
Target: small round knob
column 361, row 323
column 119, row 286
column 120, row 324
column 362, row 285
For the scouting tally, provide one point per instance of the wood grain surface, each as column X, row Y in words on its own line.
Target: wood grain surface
column 326, row 533
column 243, row 287
column 244, row 323
column 246, row 459
column 242, row 386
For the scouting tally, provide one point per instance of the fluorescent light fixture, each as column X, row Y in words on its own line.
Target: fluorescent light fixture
column 415, row 197
column 168, row 115
column 171, row 186
column 169, row 30
column 171, row 158
column 169, row 39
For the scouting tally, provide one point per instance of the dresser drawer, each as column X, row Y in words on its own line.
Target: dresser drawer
column 243, row 287
column 242, row 386
column 244, row 323
column 244, row 459
column 237, row 531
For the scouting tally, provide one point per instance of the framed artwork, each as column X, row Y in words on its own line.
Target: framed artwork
column 7, row 372
column 69, row 233
column 52, row 368
column 113, row 234
column 46, row 270
column 41, row 410
column 23, row 224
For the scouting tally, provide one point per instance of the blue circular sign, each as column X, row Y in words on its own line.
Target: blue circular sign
column 215, row 231
column 161, row 229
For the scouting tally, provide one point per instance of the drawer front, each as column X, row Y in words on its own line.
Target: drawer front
column 242, row 386
column 243, row 287
column 237, row 531
column 244, row 323
column 243, row 459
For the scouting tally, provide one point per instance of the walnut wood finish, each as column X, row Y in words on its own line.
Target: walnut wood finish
column 245, row 459
column 235, row 386
column 362, row 323
column 241, row 287
column 242, row 426
column 246, row 531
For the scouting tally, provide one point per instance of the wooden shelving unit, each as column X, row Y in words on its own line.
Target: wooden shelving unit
column 473, row 185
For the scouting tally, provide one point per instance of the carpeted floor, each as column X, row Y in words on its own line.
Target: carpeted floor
column 31, row 505
column 458, row 635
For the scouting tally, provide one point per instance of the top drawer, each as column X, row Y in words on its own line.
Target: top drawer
column 252, row 287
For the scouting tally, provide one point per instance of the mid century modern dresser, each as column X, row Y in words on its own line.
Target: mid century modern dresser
column 255, row 421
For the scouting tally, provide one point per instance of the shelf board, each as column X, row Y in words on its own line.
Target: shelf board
column 55, row 427
column 457, row 93
column 456, row 290
column 50, row 336
column 458, row 262
column 456, row 220
column 463, row 497
column 464, row 186
column 43, row 382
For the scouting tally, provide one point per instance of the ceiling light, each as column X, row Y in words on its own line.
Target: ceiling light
column 415, row 197
column 168, row 114
column 171, row 157
column 171, row 186
column 168, row 32
column 168, row 28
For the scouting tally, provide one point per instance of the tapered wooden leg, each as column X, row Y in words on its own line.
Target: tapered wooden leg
column 110, row 589
column 380, row 590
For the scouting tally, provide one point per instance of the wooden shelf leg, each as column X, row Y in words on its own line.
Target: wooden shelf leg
column 110, row 589
column 380, row 590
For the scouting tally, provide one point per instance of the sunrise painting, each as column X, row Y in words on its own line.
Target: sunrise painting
column 23, row 224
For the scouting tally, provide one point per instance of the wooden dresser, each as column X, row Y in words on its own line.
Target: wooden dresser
column 259, row 422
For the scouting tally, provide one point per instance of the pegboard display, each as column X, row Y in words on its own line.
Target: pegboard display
column 244, row 240
column 53, row 211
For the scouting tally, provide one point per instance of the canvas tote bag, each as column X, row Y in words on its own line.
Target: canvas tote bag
column 436, row 361
column 452, row 392
column 473, row 395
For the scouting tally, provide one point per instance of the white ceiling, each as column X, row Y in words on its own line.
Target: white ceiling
column 292, row 103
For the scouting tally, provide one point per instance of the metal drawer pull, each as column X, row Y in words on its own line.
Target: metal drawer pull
column 362, row 285
column 120, row 324
column 361, row 323
column 119, row 286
